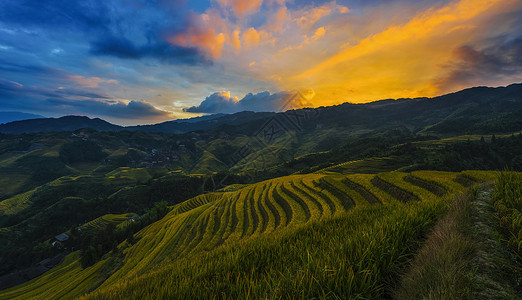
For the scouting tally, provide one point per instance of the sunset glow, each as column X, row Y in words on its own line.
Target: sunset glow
column 172, row 56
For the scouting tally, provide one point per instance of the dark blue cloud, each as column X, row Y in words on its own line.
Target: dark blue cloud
column 116, row 109
column 13, row 67
column 11, row 90
column 124, row 48
column 58, row 14
column 79, row 93
column 129, row 29
column 471, row 66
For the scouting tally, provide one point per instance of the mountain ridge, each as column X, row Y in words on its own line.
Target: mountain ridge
column 458, row 106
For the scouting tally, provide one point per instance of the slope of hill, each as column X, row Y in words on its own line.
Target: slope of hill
column 68, row 123
column 322, row 169
column 11, row 116
column 202, row 123
column 363, row 222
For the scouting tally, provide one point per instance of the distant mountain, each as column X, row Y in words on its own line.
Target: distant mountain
column 202, row 123
column 71, row 123
column 10, row 116
column 198, row 119
column 473, row 110
column 478, row 109
column 68, row 123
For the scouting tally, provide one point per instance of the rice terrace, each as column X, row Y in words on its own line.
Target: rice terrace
column 234, row 149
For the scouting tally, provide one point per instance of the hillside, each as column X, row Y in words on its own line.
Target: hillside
column 214, row 232
column 11, row 116
column 202, row 123
column 473, row 110
column 68, row 123
column 256, row 183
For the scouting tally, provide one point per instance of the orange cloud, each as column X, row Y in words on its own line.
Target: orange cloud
column 251, row 38
column 311, row 16
column 91, row 82
column 206, row 39
column 209, row 32
column 342, row 9
column 402, row 60
column 241, row 7
column 206, row 33
column 278, row 20
column 318, row 33
column 419, row 27
column 235, row 42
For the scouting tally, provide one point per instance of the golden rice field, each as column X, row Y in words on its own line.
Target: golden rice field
column 101, row 223
column 315, row 235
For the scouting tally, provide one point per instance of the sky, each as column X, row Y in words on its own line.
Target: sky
column 147, row 61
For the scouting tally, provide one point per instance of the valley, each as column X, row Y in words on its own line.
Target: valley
column 326, row 209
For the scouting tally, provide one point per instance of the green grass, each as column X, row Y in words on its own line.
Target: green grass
column 465, row 256
column 139, row 175
column 508, row 205
column 484, row 176
column 301, row 235
column 16, row 204
column 462, row 138
column 67, row 280
column 443, row 267
column 13, row 182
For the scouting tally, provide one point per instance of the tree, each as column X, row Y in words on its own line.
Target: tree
column 88, row 256
column 81, row 151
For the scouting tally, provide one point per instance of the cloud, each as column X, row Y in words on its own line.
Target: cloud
column 14, row 91
column 318, row 33
column 309, row 17
column 116, row 109
column 217, row 102
column 8, row 85
column 205, row 32
column 61, row 14
column 222, row 102
column 91, row 82
column 235, row 41
column 79, row 93
column 120, row 28
column 251, row 38
column 278, row 20
column 186, row 50
column 16, row 96
column 471, row 66
column 21, row 68
column 241, row 7
column 401, row 58
column 126, row 49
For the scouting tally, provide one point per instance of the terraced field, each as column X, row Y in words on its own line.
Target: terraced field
column 208, row 221
column 371, row 165
column 101, row 223
column 15, row 204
